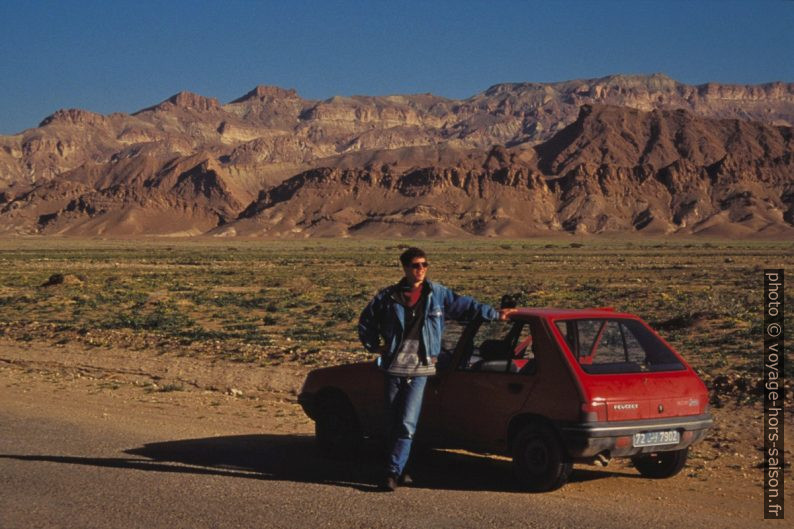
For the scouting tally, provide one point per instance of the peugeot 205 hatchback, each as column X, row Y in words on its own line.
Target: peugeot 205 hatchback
column 549, row 387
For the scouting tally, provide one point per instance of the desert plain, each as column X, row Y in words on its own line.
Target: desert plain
column 168, row 371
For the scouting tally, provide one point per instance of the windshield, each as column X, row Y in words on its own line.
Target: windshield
column 605, row 346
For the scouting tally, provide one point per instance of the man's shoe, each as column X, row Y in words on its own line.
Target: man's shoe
column 389, row 484
column 405, row 479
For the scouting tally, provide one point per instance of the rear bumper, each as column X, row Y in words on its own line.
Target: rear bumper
column 615, row 439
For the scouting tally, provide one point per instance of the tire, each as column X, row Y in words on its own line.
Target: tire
column 661, row 465
column 336, row 428
column 540, row 463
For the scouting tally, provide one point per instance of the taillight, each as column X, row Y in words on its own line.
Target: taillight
column 594, row 411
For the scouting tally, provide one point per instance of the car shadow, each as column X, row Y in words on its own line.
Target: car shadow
column 462, row 470
column 296, row 458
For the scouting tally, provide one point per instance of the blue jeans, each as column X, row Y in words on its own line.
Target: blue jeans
column 403, row 404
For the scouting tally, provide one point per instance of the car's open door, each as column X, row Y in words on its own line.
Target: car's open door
column 491, row 380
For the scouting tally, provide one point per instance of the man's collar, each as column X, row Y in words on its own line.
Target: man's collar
column 402, row 284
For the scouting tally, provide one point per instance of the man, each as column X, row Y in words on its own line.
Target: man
column 409, row 319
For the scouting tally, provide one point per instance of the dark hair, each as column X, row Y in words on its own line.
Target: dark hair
column 410, row 254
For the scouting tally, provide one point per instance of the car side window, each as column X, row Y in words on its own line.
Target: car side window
column 499, row 346
column 524, row 351
column 588, row 332
column 608, row 346
column 523, row 348
column 453, row 330
column 634, row 351
column 616, row 346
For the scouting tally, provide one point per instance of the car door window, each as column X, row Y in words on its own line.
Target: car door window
column 452, row 333
column 523, row 348
column 453, row 330
column 496, row 346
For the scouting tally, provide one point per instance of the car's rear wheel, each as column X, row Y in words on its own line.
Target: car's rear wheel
column 660, row 465
column 336, row 427
column 539, row 461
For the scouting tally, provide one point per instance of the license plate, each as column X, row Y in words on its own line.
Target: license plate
column 668, row 437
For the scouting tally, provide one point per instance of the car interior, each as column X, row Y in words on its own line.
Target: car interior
column 502, row 347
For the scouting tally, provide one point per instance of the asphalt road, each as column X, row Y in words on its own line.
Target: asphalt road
column 67, row 472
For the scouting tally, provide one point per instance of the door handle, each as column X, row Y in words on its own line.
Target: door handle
column 515, row 387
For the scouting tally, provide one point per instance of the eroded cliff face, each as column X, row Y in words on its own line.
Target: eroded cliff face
column 506, row 114
column 668, row 158
column 670, row 171
column 613, row 170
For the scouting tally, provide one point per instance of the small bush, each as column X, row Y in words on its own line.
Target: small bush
column 164, row 317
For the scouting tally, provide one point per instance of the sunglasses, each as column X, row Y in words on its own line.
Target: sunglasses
column 417, row 266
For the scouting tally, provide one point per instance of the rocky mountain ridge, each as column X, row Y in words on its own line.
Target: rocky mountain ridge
column 647, row 175
column 613, row 170
column 277, row 126
column 516, row 160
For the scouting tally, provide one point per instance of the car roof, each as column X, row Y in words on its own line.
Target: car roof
column 550, row 312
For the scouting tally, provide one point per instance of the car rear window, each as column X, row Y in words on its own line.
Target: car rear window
column 608, row 346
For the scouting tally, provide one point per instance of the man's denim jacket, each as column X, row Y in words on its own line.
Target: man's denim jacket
column 384, row 317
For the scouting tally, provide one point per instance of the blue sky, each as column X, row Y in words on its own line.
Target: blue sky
column 109, row 56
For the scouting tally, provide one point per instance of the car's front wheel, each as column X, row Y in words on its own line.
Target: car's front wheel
column 336, row 427
column 661, row 465
column 539, row 461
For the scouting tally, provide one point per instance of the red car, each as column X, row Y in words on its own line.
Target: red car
column 550, row 387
